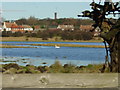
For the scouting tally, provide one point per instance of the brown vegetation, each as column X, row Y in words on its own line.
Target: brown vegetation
column 54, row 68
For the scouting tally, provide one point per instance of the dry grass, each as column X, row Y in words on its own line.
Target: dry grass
column 10, row 46
column 40, row 39
column 20, row 39
column 69, row 45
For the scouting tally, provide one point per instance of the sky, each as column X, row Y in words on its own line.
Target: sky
column 16, row 9
column 56, row 0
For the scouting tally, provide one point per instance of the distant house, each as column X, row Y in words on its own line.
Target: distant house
column 17, row 28
column 7, row 26
column 13, row 27
column 65, row 27
column 86, row 28
column 96, row 32
column 27, row 28
column 1, row 29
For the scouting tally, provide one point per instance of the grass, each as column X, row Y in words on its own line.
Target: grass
column 10, row 46
column 51, row 44
column 40, row 39
column 69, row 45
column 57, row 67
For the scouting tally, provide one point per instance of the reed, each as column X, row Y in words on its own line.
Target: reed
column 10, row 46
column 69, row 45
column 40, row 39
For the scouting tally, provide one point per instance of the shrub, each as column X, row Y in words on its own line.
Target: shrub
column 70, row 68
column 10, row 65
column 42, row 69
column 56, row 67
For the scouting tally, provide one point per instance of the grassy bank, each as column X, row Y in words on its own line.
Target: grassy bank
column 57, row 67
column 51, row 44
column 69, row 45
column 10, row 46
column 40, row 39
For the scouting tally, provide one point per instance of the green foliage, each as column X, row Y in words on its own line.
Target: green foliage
column 89, row 66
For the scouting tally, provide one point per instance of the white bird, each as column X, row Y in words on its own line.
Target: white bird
column 57, row 46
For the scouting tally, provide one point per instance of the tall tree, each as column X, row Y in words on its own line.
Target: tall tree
column 110, row 31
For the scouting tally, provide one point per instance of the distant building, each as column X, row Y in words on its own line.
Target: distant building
column 8, row 26
column 55, row 15
column 96, row 32
column 27, row 28
column 1, row 29
column 65, row 27
column 86, row 28
column 17, row 28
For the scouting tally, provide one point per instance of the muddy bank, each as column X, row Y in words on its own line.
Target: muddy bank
column 59, row 80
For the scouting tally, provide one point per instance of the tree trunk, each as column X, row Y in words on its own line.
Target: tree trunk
column 114, row 46
column 113, row 40
column 115, row 54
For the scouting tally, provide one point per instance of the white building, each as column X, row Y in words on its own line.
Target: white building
column 65, row 27
column 27, row 28
column 7, row 26
column 1, row 29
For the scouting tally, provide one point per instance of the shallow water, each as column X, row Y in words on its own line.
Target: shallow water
column 81, row 43
column 48, row 54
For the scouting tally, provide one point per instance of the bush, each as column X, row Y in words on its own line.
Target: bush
column 70, row 68
column 42, row 69
column 56, row 67
column 10, row 65
column 17, row 34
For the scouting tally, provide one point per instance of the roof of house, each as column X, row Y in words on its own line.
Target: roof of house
column 17, row 26
column 26, row 26
column 86, row 27
column 65, row 27
column 9, row 24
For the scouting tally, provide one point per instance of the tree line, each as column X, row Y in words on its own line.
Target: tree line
column 53, row 22
column 46, row 34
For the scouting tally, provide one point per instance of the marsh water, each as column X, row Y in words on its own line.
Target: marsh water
column 49, row 54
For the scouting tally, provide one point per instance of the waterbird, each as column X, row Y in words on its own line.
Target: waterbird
column 57, row 46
